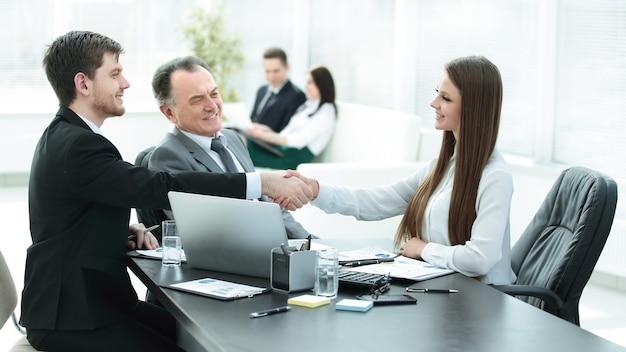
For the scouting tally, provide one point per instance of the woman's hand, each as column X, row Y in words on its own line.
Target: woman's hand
column 264, row 133
column 413, row 248
column 258, row 130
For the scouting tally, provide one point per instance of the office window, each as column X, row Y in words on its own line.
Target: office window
column 503, row 31
column 391, row 54
column 382, row 53
column 590, row 107
column 25, row 29
column 355, row 40
column 148, row 33
column 261, row 25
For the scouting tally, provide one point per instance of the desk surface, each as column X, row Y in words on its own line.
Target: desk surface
column 478, row 318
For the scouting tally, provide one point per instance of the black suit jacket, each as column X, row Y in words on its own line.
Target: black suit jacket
column 280, row 108
column 80, row 195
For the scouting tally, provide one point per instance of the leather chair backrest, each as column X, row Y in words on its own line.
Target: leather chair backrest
column 561, row 245
column 149, row 217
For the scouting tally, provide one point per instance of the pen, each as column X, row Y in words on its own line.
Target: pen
column 265, row 313
column 430, row 290
column 132, row 237
column 284, row 249
column 308, row 243
column 367, row 262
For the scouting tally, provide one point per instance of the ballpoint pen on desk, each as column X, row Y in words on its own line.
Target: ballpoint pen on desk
column 353, row 263
column 265, row 313
column 132, row 237
column 431, row 290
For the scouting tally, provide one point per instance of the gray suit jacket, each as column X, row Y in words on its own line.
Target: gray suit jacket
column 177, row 152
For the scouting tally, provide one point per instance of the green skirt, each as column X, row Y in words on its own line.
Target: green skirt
column 292, row 157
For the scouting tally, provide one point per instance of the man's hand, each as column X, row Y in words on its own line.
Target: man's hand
column 137, row 239
column 292, row 191
column 311, row 182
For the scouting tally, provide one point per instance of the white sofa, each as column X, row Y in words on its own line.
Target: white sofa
column 364, row 133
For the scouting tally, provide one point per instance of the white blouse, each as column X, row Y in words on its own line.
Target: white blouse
column 311, row 131
column 487, row 252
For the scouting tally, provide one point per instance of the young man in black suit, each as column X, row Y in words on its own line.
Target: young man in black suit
column 277, row 101
column 77, row 293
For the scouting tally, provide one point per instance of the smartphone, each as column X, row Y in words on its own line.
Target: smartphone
column 384, row 300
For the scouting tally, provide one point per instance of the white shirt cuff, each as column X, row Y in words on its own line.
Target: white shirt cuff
column 253, row 185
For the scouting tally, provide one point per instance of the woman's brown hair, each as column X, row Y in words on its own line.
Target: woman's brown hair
column 480, row 85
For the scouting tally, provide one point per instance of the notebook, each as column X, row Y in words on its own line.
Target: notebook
column 228, row 235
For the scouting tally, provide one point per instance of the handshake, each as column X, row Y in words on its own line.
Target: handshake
column 289, row 189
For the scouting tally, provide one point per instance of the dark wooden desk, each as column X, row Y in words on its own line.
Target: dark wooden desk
column 478, row 318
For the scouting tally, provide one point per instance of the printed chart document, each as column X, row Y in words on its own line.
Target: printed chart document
column 401, row 267
column 370, row 252
column 214, row 288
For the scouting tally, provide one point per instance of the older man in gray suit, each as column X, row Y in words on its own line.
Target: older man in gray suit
column 189, row 98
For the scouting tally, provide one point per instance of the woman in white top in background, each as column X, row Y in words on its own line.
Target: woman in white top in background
column 309, row 130
column 456, row 208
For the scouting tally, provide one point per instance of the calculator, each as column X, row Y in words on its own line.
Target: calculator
column 348, row 278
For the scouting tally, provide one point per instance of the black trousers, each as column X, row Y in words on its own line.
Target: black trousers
column 148, row 328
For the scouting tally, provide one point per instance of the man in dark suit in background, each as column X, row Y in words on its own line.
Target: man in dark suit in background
column 277, row 101
column 77, row 293
column 196, row 126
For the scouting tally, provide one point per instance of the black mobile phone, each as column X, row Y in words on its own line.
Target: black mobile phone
column 384, row 300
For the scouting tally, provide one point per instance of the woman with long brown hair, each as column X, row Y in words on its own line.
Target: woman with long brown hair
column 456, row 208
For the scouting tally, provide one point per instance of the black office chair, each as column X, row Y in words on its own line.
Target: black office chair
column 557, row 252
column 149, row 217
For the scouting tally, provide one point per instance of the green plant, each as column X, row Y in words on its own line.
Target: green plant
column 209, row 41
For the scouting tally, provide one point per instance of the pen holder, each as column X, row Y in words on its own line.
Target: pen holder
column 292, row 272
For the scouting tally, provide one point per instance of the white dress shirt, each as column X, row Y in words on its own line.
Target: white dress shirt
column 487, row 252
column 314, row 131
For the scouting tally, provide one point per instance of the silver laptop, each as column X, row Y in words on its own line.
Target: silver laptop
column 226, row 234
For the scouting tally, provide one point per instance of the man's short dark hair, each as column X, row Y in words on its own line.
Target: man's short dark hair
column 276, row 53
column 74, row 52
column 162, row 79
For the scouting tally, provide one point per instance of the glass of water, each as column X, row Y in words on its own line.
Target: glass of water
column 327, row 273
column 171, row 244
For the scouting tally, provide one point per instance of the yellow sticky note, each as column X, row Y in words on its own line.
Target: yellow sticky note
column 308, row 301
